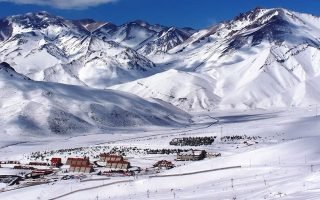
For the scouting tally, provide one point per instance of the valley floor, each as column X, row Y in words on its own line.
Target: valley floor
column 281, row 162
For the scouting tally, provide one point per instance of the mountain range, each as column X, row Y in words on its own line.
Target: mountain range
column 152, row 74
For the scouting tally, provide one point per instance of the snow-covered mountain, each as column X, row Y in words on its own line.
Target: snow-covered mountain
column 82, row 52
column 28, row 106
column 165, row 41
column 260, row 59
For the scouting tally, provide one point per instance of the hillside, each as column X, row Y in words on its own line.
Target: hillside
column 31, row 107
column 264, row 58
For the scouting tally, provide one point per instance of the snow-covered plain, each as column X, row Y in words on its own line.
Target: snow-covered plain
column 284, row 164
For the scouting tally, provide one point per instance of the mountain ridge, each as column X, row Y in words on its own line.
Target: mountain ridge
column 259, row 59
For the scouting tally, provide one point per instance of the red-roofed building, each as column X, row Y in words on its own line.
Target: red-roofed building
column 80, row 165
column 78, row 161
column 106, row 157
column 56, row 162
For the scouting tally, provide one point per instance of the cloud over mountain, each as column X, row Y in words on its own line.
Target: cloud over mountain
column 62, row 4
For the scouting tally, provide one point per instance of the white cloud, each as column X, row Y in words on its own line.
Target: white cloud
column 62, row 4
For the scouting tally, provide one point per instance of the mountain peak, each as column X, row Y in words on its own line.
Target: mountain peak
column 37, row 20
column 38, row 15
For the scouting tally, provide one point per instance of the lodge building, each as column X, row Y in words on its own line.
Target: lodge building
column 114, row 161
column 80, row 165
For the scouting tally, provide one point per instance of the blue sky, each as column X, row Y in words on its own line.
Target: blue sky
column 181, row 13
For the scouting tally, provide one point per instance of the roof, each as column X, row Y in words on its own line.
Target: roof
column 110, row 155
column 55, row 159
column 83, row 162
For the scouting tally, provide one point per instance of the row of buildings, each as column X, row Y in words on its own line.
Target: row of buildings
column 113, row 161
column 83, row 165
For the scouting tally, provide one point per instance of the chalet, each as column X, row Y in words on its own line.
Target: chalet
column 164, row 164
column 191, row 155
column 56, row 162
column 118, row 164
column 105, row 157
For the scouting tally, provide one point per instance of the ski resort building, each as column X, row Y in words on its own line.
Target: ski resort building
column 78, row 161
column 80, row 165
column 191, row 155
column 118, row 164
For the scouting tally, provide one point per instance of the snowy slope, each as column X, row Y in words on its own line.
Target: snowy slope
column 165, row 41
column 171, row 86
column 31, row 107
column 261, row 59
